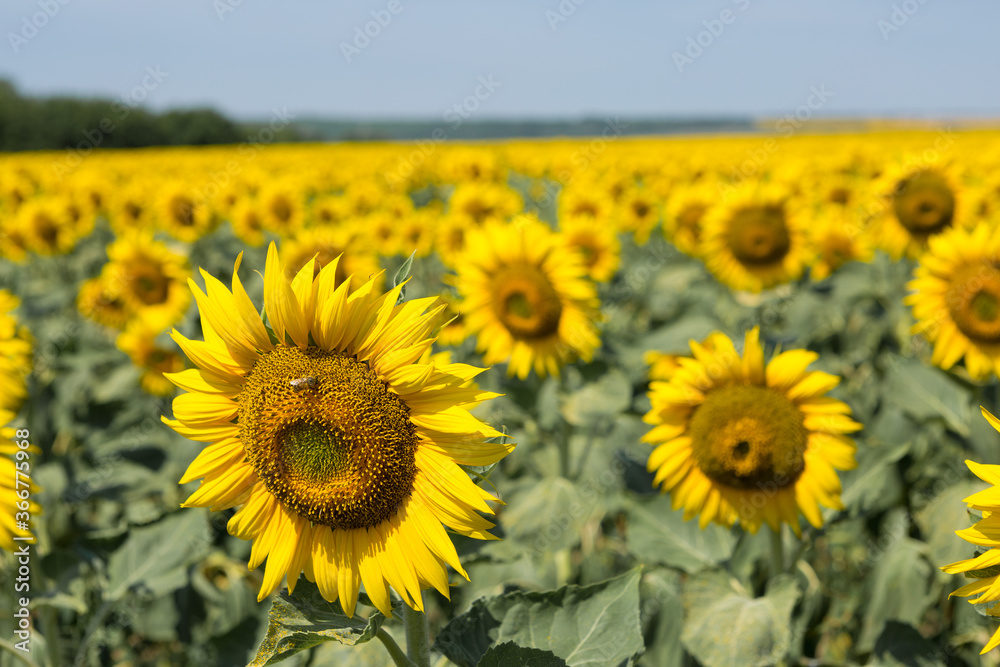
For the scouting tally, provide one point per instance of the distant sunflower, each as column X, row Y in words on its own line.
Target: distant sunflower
column 638, row 212
column 597, row 244
column 100, row 300
column 527, row 298
column 956, row 299
column 736, row 440
column 916, row 205
column 985, row 534
column 835, row 240
column 47, row 228
column 339, row 443
column 754, row 241
column 282, row 206
column 138, row 341
column 685, row 211
column 148, row 277
column 358, row 261
column 184, row 216
column 247, row 221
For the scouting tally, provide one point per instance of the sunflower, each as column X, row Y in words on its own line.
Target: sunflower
column 597, row 244
column 916, row 205
column 138, row 341
column 527, row 298
column 982, row 569
column 282, row 206
column 358, row 261
column 47, row 228
column 341, row 447
column 247, row 221
column 956, row 299
column 13, row 239
column 736, row 440
column 638, row 212
column 148, row 277
column 15, row 365
column 100, row 300
column 475, row 203
column 754, row 240
column 836, row 239
column 182, row 215
column 683, row 215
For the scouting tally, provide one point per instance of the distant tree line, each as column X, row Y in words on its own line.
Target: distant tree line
column 55, row 123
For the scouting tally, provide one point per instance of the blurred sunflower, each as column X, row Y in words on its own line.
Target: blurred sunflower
column 282, row 206
column 754, row 241
column 15, row 365
column 13, row 239
column 527, row 298
column 985, row 534
column 683, row 215
column 138, row 341
column 339, row 443
column 596, row 243
column 248, row 222
column 47, row 228
column 358, row 261
column 638, row 211
column 182, row 215
column 956, row 299
column 100, row 300
column 148, row 277
column 836, row 239
column 916, row 206
column 736, row 440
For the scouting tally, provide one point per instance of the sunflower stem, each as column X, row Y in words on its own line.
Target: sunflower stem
column 418, row 644
column 777, row 553
column 392, row 647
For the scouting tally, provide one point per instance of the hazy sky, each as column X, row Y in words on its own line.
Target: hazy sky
column 545, row 58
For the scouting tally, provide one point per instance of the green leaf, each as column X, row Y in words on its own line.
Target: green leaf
column 725, row 626
column 659, row 534
column 662, row 617
column 598, row 401
column 942, row 516
column 927, row 393
column 901, row 581
column 900, row 644
column 594, row 625
column 301, row 620
column 154, row 559
column 402, row 274
column 509, row 653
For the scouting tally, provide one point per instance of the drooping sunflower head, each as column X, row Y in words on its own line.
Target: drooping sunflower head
column 335, row 432
column 955, row 296
column 738, row 440
column 982, row 568
column 527, row 298
column 755, row 240
column 916, row 205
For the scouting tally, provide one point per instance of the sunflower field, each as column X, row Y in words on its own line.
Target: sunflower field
column 708, row 401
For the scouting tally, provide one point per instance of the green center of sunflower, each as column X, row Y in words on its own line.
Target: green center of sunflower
column 973, row 300
column 327, row 437
column 747, row 437
column 758, row 235
column 923, row 203
column 526, row 302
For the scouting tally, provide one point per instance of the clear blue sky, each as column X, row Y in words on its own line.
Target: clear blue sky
column 607, row 57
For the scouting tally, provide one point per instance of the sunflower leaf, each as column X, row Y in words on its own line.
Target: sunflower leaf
column 301, row 620
column 402, row 275
column 595, row 625
column 758, row 630
column 510, row 653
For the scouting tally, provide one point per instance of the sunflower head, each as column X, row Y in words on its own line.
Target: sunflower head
column 527, row 298
column 919, row 204
column 955, row 296
column 335, row 432
column 755, row 240
column 738, row 440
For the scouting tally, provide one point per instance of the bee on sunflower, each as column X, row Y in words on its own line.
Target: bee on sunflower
column 335, row 433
